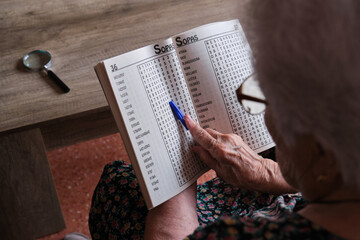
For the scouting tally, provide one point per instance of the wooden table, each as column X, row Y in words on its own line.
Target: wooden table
column 36, row 116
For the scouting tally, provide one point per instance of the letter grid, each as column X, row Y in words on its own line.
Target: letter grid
column 231, row 59
column 163, row 81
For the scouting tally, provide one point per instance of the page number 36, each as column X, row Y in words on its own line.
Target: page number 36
column 113, row 67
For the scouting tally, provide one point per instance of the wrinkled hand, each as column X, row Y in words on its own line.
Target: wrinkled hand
column 235, row 162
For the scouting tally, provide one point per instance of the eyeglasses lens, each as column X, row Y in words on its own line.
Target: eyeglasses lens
column 250, row 87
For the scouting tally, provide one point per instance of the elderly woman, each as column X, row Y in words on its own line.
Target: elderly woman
column 307, row 64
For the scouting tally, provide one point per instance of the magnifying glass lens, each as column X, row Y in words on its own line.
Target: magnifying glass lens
column 41, row 60
column 36, row 60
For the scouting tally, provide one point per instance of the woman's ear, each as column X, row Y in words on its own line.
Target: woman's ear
column 310, row 167
column 325, row 171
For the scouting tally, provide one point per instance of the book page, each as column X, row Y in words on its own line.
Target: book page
column 143, row 82
column 216, row 58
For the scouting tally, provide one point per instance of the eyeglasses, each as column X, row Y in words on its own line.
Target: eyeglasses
column 250, row 96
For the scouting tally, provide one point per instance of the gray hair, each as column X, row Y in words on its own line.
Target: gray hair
column 308, row 63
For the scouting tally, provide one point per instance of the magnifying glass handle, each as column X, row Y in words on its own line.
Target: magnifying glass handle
column 58, row 81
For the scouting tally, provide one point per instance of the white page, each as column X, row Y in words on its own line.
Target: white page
column 215, row 59
column 143, row 83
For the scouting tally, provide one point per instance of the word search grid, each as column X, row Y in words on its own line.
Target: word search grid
column 230, row 56
column 164, row 81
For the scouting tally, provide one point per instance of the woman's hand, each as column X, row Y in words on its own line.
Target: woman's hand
column 175, row 218
column 235, row 162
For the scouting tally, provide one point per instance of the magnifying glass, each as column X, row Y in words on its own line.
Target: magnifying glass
column 41, row 60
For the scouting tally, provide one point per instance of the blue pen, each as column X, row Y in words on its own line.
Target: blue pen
column 178, row 113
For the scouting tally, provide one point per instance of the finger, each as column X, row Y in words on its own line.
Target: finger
column 201, row 136
column 213, row 132
column 205, row 156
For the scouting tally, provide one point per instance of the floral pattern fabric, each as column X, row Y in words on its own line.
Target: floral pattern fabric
column 118, row 211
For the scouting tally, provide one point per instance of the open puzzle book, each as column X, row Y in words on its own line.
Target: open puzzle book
column 199, row 70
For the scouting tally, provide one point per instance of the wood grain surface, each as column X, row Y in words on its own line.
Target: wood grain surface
column 79, row 34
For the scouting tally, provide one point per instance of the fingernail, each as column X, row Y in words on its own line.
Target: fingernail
column 190, row 123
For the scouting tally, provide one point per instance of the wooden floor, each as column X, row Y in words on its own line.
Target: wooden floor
column 76, row 170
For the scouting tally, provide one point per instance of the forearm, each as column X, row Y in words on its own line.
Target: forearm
column 169, row 227
column 174, row 219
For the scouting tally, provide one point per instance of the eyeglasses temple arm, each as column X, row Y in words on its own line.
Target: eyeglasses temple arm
column 246, row 97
